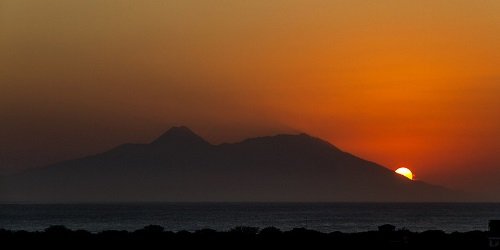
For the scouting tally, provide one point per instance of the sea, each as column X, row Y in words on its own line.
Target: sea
column 324, row 217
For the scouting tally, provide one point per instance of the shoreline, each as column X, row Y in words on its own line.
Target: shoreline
column 386, row 236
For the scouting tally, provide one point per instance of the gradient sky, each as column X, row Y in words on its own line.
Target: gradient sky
column 401, row 83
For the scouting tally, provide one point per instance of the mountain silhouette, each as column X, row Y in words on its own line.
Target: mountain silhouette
column 180, row 136
column 182, row 166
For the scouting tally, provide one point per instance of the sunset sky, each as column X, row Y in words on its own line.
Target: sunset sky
column 401, row 83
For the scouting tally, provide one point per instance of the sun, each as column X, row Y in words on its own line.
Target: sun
column 405, row 172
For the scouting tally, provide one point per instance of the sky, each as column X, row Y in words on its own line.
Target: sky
column 403, row 83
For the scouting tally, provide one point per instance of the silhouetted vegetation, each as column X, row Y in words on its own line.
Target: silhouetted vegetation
column 154, row 236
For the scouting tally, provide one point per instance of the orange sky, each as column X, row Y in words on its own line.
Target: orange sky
column 402, row 83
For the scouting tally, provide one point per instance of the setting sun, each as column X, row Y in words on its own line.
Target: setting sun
column 405, row 172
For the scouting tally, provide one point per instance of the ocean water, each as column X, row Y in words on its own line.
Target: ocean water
column 325, row 217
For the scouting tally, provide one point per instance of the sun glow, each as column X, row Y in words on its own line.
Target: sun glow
column 405, row 172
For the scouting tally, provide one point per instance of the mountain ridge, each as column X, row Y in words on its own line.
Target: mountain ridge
column 181, row 166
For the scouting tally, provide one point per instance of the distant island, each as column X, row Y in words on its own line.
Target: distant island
column 181, row 166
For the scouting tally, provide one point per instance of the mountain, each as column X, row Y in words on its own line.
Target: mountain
column 182, row 166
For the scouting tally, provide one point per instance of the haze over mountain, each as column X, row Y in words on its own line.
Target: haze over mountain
column 181, row 166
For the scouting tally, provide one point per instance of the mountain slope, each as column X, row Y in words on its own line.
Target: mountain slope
column 181, row 166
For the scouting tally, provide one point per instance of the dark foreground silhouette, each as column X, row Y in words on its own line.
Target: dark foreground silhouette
column 155, row 237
